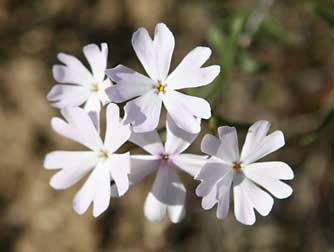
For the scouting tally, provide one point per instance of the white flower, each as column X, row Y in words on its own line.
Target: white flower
column 160, row 88
column 168, row 194
column 104, row 164
column 227, row 168
column 77, row 85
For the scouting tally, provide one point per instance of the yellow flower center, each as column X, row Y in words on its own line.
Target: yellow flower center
column 165, row 157
column 104, row 154
column 236, row 166
column 161, row 88
column 95, row 87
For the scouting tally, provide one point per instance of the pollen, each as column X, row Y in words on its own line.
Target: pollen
column 104, row 154
column 95, row 87
column 161, row 88
column 165, row 157
column 237, row 166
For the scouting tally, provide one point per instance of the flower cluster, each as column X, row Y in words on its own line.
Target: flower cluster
column 112, row 174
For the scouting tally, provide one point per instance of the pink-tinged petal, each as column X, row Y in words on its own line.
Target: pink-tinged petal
column 190, row 163
column 149, row 141
column 163, row 44
column 143, row 113
column 144, row 49
column 189, row 72
column 119, row 166
column 79, row 128
column 180, row 113
column 268, row 175
column 142, row 166
column 74, row 164
column 229, row 148
column 209, row 175
column 260, row 200
column 73, row 71
column 96, row 189
column 210, row 145
column 93, row 103
column 63, row 96
column 129, row 84
column 177, row 140
column 223, row 195
column 243, row 208
column 97, row 59
column 167, row 191
column 269, row 144
column 117, row 133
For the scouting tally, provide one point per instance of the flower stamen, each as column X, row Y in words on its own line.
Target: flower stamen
column 104, row 154
column 236, row 166
column 161, row 88
column 165, row 157
column 95, row 87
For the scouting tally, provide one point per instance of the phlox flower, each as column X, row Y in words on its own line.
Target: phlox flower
column 101, row 161
column 168, row 194
column 76, row 84
column 159, row 88
column 243, row 173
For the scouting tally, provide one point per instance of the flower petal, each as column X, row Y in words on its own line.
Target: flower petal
column 210, row 174
column 97, row 59
column 189, row 72
column 210, row 199
column 143, row 46
column 210, row 145
column 177, row 140
column 93, row 103
column 73, row 72
column 74, row 164
column 243, row 208
column 116, row 133
column 223, row 195
column 63, row 96
column 258, row 144
column 190, row 163
column 163, row 44
column 268, row 175
column 180, row 113
column 142, row 166
column 260, row 200
column 229, row 149
column 143, row 112
column 130, row 84
column 79, row 128
column 149, row 141
column 169, row 191
column 119, row 166
column 96, row 189
column 176, row 213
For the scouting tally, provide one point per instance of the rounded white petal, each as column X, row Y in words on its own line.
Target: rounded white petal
column 117, row 133
column 190, row 163
column 143, row 112
column 97, row 59
column 75, row 165
column 73, row 71
column 176, row 213
column 210, row 174
column 177, row 139
column 189, row 72
column 180, row 113
column 273, row 169
column 149, row 141
column 223, row 195
column 258, row 144
column 144, row 49
column 119, row 166
column 93, row 103
column 154, row 210
column 229, row 148
column 79, row 128
column 210, row 145
column 163, row 44
column 142, row 166
column 243, row 208
column 130, row 84
column 210, row 199
column 63, row 96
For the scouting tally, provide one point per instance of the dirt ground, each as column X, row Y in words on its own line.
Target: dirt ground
column 277, row 61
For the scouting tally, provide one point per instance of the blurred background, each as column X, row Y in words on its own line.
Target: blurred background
column 277, row 60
